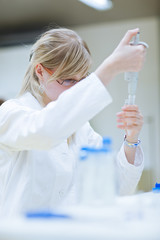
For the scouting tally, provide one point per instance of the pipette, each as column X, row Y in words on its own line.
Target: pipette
column 132, row 77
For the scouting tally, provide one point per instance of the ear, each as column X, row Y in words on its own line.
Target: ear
column 39, row 71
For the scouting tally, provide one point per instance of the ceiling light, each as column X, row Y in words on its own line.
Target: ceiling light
column 100, row 5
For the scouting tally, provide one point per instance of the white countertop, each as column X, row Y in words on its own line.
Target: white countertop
column 130, row 217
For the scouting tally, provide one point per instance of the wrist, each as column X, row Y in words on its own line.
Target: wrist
column 133, row 143
column 131, row 139
column 106, row 71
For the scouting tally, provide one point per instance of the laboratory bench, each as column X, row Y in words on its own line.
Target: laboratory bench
column 128, row 218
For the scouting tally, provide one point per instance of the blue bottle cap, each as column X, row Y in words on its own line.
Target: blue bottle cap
column 156, row 188
column 86, row 151
column 107, row 143
column 46, row 215
column 107, row 140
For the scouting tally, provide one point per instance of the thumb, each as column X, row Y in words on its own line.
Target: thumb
column 129, row 35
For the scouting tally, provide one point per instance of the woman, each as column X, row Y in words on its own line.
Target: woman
column 42, row 130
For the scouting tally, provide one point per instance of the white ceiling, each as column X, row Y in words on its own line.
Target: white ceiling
column 17, row 16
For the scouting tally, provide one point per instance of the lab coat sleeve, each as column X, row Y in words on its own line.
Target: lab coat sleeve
column 128, row 174
column 22, row 128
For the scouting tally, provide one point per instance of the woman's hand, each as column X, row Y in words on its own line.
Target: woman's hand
column 131, row 120
column 130, row 58
column 125, row 58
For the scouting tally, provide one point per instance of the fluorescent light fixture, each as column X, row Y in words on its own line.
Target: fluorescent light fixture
column 100, row 5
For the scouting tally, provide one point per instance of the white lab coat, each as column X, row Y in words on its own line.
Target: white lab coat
column 37, row 165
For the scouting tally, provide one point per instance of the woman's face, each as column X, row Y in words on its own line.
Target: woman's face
column 52, row 89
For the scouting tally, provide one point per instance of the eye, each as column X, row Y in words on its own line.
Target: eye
column 69, row 81
column 73, row 81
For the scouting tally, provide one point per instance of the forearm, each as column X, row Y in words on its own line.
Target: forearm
column 130, row 154
column 107, row 70
column 129, row 174
column 130, row 146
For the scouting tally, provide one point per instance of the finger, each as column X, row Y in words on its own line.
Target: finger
column 131, row 114
column 128, row 127
column 130, row 117
column 121, row 126
column 144, row 44
column 132, row 127
column 129, row 35
column 130, row 108
column 133, row 122
column 120, row 120
column 120, row 114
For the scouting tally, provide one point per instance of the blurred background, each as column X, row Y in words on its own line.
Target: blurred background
column 21, row 22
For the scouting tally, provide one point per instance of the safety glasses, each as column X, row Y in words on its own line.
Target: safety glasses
column 67, row 82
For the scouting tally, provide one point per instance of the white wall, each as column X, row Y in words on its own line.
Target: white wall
column 102, row 39
column 13, row 64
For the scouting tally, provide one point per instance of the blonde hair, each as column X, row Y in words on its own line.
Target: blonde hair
column 58, row 48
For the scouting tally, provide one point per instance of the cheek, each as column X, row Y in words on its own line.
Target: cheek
column 53, row 90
